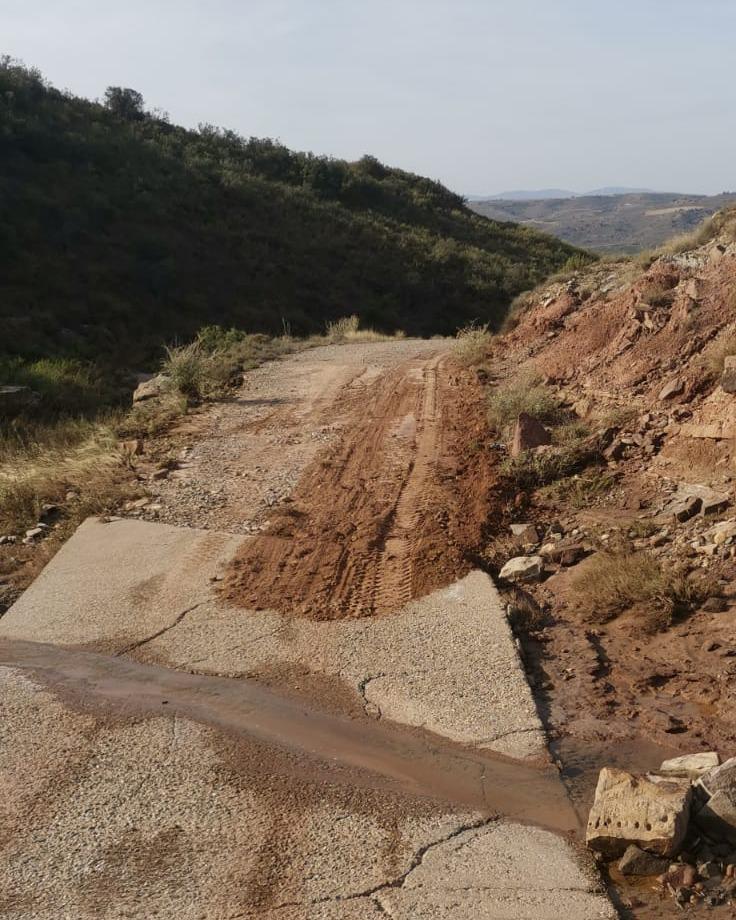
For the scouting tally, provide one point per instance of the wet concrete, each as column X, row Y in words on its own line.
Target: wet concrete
column 378, row 755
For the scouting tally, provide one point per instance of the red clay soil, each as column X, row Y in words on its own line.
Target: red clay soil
column 396, row 508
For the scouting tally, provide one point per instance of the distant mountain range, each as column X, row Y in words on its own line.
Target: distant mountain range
column 543, row 194
column 608, row 220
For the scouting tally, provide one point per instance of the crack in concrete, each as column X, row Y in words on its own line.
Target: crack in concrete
column 371, row 708
column 399, row 881
column 513, row 731
column 234, row 648
column 141, row 642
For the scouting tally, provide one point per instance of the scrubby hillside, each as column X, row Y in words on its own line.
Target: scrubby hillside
column 621, row 223
column 119, row 230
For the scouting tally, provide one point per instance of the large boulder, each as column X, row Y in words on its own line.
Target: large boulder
column 523, row 568
column 14, row 400
column 152, row 389
column 720, row 778
column 630, row 809
column 528, row 434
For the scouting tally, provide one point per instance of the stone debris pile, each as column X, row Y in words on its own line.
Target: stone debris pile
column 677, row 826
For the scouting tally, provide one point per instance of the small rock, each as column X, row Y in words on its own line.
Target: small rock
column 615, row 451
column 691, row 766
column 525, row 535
column 709, row 870
column 723, row 532
column 8, row 540
column 528, row 434
column 150, row 389
column 673, row 388
column 567, row 554
column 523, row 568
column 715, row 605
column 34, row 534
column 636, row 861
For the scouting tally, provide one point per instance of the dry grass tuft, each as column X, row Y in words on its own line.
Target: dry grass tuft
column 471, row 344
column 525, row 393
column 714, row 357
column 81, row 457
column 347, row 329
column 612, row 582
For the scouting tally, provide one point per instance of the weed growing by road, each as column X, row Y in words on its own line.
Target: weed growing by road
column 612, row 582
column 525, row 393
column 471, row 344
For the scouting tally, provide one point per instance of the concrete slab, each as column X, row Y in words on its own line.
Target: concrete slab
column 107, row 815
column 104, row 817
column 447, row 663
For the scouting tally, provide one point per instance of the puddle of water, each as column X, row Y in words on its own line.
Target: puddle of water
column 378, row 755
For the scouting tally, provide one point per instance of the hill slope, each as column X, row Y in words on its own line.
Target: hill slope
column 610, row 223
column 119, row 230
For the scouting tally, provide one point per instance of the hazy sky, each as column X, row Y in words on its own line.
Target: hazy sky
column 485, row 96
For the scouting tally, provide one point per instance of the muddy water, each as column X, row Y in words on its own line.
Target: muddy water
column 377, row 754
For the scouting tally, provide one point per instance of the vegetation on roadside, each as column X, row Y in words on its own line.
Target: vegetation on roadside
column 580, row 490
column 524, row 393
column 471, row 344
column 714, row 357
column 535, row 468
column 71, row 441
column 121, row 231
column 612, row 582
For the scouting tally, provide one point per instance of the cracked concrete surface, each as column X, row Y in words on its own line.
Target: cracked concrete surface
column 166, row 817
column 109, row 816
column 446, row 663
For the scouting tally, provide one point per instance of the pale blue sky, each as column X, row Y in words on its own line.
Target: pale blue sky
column 482, row 95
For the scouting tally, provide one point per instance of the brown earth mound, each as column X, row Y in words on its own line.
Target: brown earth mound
column 393, row 510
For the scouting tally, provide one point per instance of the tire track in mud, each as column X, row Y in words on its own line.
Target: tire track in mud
column 369, row 516
column 394, row 567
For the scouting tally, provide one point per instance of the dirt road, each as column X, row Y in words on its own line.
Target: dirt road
column 295, row 699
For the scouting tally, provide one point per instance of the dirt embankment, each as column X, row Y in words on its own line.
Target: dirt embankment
column 638, row 355
column 394, row 509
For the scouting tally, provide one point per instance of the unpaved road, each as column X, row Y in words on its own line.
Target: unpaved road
column 308, row 706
